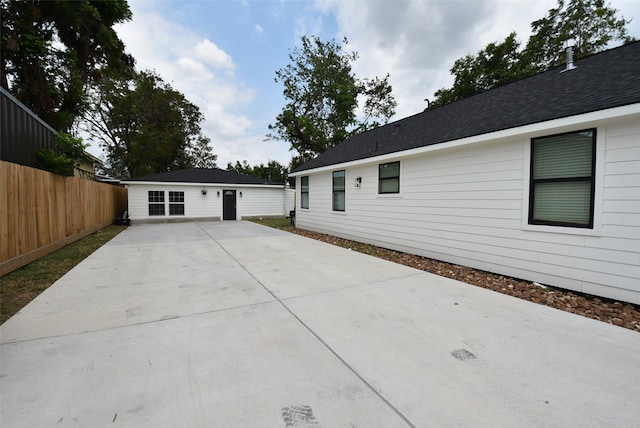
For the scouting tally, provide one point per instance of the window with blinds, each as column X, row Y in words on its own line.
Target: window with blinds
column 389, row 177
column 338, row 191
column 562, row 179
column 304, row 192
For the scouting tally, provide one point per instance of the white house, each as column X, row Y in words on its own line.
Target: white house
column 538, row 179
column 205, row 193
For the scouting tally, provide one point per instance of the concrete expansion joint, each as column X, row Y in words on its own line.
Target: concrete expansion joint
column 317, row 336
column 164, row 318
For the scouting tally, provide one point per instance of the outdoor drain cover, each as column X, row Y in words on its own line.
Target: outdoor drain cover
column 463, row 354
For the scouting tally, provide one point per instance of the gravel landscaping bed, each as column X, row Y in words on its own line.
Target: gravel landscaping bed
column 618, row 313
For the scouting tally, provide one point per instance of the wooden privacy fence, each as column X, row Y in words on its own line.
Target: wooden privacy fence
column 41, row 212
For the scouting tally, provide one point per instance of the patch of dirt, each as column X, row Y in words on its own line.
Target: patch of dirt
column 621, row 314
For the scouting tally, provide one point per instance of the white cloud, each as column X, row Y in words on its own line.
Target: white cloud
column 189, row 63
column 258, row 28
column 193, row 69
column 210, row 53
column 417, row 41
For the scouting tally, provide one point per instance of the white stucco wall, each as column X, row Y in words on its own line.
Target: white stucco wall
column 255, row 200
column 468, row 204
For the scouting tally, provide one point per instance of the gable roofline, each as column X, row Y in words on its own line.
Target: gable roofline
column 201, row 176
column 601, row 81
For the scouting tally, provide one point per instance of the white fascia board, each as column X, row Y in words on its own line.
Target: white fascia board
column 548, row 127
column 169, row 183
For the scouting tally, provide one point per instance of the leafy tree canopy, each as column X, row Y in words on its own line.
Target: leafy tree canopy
column 589, row 25
column 68, row 154
column 321, row 95
column 273, row 172
column 146, row 127
column 51, row 50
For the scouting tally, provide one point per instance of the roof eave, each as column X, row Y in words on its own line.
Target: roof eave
column 200, row 184
column 552, row 126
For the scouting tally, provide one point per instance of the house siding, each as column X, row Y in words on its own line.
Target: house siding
column 468, row 205
column 255, row 201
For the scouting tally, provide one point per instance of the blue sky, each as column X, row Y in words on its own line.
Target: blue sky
column 223, row 55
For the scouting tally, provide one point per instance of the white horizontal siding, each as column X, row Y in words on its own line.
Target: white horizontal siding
column 255, row 201
column 466, row 205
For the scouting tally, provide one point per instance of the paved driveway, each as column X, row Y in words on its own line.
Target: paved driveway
column 231, row 324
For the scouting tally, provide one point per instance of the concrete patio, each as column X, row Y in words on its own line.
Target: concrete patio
column 232, row 324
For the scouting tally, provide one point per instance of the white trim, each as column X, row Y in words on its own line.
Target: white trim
column 555, row 126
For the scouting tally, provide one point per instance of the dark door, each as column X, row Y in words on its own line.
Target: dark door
column 229, row 205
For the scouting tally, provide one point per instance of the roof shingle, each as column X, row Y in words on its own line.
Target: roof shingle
column 202, row 175
column 601, row 81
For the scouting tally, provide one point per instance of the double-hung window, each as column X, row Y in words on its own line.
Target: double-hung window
column 304, row 192
column 156, row 202
column 176, row 203
column 338, row 190
column 389, row 177
column 562, row 179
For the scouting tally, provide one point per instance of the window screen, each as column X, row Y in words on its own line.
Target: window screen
column 156, row 202
column 562, row 179
column 338, row 191
column 389, row 177
column 176, row 203
column 304, row 192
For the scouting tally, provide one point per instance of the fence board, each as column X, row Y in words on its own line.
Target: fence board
column 41, row 211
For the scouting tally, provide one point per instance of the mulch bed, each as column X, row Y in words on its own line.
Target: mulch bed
column 621, row 314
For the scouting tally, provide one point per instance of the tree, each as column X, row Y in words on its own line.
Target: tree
column 495, row 65
column 322, row 98
column 273, row 172
column 51, row 50
column 588, row 23
column 68, row 153
column 147, row 127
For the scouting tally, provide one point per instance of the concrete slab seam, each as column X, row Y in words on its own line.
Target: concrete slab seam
column 349, row 287
column 310, row 330
column 170, row 318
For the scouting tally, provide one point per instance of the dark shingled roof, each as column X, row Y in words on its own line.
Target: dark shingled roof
column 601, row 81
column 202, row 175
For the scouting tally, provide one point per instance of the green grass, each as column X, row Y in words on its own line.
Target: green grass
column 23, row 285
column 275, row 222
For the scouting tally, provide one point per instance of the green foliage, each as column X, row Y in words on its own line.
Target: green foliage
column 589, row 24
column 322, row 98
column 146, row 127
column 273, row 172
column 68, row 153
column 51, row 50
column 495, row 65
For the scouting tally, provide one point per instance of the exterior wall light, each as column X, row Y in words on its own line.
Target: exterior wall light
column 358, row 181
column 218, row 193
column 204, row 191
column 240, row 194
